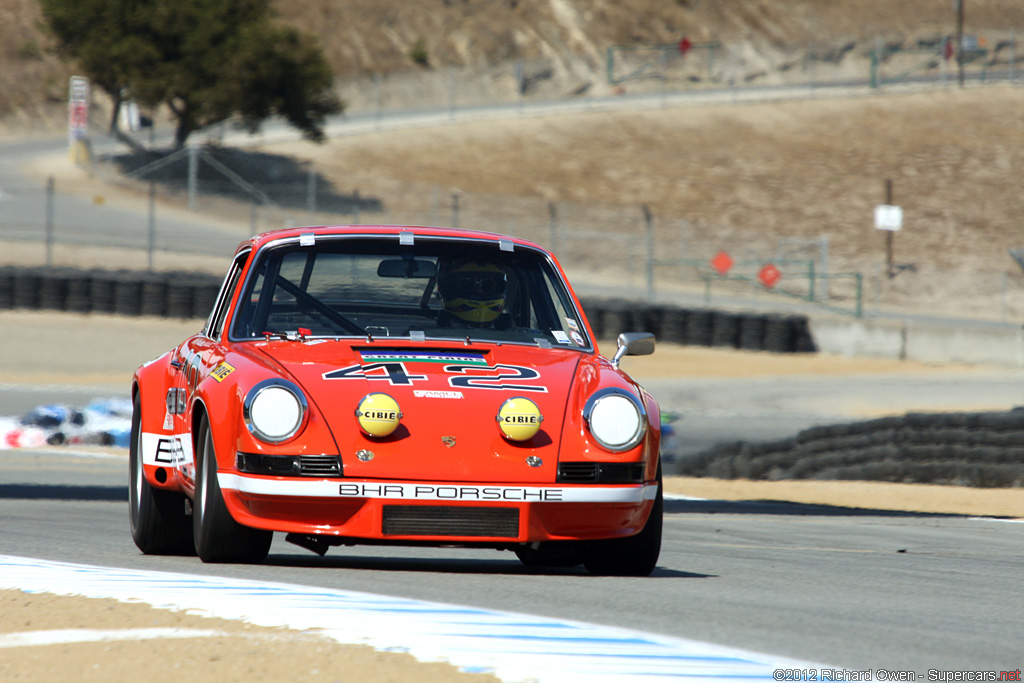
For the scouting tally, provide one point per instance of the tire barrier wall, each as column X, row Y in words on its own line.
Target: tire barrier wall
column 701, row 326
column 183, row 295
column 966, row 449
column 192, row 295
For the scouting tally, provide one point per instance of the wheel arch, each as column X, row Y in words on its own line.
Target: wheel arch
column 150, row 383
column 199, row 411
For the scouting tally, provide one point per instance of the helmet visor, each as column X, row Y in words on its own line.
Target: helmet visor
column 473, row 286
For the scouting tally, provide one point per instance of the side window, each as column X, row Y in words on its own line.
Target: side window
column 227, row 292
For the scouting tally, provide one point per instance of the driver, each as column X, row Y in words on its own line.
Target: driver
column 473, row 292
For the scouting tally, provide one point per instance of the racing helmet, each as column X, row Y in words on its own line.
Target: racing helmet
column 473, row 290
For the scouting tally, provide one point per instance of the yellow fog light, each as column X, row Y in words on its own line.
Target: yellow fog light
column 519, row 418
column 378, row 414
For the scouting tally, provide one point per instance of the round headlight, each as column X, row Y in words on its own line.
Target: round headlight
column 274, row 410
column 616, row 419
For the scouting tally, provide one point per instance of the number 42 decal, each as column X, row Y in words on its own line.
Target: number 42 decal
column 501, row 377
column 493, row 377
column 394, row 373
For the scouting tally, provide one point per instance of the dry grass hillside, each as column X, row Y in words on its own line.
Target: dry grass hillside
column 362, row 37
column 745, row 177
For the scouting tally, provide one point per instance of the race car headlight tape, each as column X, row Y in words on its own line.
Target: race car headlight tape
column 616, row 419
column 274, row 410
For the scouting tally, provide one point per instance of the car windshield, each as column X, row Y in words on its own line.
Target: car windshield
column 437, row 289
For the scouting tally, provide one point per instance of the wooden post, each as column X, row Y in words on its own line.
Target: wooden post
column 888, row 233
column 960, row 41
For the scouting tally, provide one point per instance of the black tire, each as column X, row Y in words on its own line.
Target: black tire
column 218, row 537
column 553, row 554
column 725, row 329
column 158, row 519
column 6, row 288
column 179, row 298
column 80, row 292
column 632, row 556
column 101, row 293
column 127, row 294
column 673, row 325
column 53, row 290
column 698, row 327
column 26, row 289
column 153, row 298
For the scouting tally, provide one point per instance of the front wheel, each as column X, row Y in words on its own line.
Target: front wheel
column 632, row 556
column 218, row 537
column 158, row 520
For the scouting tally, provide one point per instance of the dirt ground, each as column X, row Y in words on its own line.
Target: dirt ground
column 235, row 651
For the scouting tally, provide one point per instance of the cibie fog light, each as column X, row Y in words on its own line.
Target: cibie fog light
column 274, row 410
column 616, row 419
column 378, row 415
column 519, row 419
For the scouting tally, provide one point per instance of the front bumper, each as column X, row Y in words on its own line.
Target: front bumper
column 441, row 512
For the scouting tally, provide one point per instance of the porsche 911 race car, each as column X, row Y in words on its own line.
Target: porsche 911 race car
column 397, row 385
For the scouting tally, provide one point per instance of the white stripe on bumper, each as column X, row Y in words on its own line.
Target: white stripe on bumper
column 395, row 490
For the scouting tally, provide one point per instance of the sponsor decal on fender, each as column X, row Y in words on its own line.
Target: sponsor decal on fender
column 222, row 371
column 166, row 450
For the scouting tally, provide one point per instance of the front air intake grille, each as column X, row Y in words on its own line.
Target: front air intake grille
column 420, row 520
column 258, row 463
column 600, row 472
column 289, row 465
column 320, row 466
column 577, row 472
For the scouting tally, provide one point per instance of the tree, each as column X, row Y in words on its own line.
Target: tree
column 206, row 60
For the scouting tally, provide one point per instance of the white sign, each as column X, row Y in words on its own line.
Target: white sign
column 888, row 217
column 78, row 108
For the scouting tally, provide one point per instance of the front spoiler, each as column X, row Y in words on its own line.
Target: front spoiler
column 355, row 509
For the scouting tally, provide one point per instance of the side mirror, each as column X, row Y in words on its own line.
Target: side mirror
column 633, row 344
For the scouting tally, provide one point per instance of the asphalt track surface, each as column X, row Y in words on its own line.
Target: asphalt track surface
column 852, row 589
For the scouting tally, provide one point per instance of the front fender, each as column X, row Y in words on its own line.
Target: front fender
column 165, row 451
column 222, row 403
column 597, row 373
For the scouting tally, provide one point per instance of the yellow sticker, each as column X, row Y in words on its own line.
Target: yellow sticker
column 222, row 371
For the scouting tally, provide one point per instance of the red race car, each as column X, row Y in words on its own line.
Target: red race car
column 397, row 385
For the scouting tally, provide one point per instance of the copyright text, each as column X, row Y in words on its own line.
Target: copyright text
column 895, row 675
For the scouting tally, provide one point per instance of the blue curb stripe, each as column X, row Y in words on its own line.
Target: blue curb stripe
column 513, row 647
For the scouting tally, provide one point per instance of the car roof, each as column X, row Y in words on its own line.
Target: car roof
column 380, row 230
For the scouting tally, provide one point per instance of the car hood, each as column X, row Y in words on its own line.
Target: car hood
column 449, row 397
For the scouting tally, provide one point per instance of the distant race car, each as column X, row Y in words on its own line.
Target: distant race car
column 400, row 386
column 104, row 422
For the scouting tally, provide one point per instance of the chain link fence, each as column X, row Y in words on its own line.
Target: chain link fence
column 608, row 250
